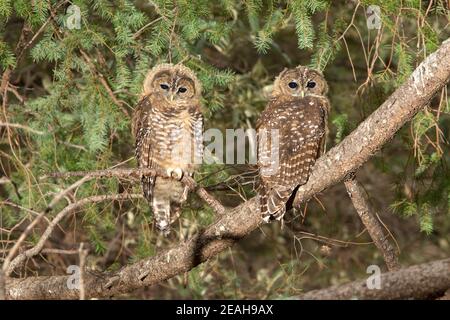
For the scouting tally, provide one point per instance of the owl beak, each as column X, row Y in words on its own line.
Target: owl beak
column 302, row 93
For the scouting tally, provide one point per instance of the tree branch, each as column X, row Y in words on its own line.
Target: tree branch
column 365, row 212
column 52, row 225
column 431, row 75
column 418, row 282
column 136, row 174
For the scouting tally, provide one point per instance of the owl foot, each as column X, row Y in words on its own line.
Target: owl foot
column 175, row 173
column 164, row 227
column 266, row 218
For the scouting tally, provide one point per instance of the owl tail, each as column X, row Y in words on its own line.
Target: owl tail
column 159, row 202
column 272, row 203
column 147, row 187
column 161, row 213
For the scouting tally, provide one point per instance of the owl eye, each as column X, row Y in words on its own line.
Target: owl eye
column 164, row 86
column 182, row 90
column 293, row 85
column 311, row 84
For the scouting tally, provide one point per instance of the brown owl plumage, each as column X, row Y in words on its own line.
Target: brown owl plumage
column 291, row 134
column 168, row 126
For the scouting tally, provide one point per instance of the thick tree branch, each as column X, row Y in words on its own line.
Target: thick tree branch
column 416, row 282
column 431, row 75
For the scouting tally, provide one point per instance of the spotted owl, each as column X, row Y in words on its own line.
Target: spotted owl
column 291, row 133
column 168, row 127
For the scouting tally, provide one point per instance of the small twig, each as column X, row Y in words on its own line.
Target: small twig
column 104, row 82
column 20, row 126
column 139, row 32
column 60, row 251
column 41, row 29
column 63, row 213
column 368, row 217
column 136, row 174
column 64, row 192
column 16, row 93
column 23, row 236
column 7, row 262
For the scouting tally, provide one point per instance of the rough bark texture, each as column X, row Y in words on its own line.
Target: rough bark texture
column 432, row 74
column 365, row 211
column 421, row 281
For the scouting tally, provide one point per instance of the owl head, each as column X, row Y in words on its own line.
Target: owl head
column 300, row 82
column 176, row 83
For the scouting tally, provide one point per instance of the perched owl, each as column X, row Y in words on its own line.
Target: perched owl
column 291, row 134
column 168, row 126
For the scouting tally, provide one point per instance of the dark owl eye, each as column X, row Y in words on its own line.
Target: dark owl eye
column 164, row 86
column 182, row 90
column 293, row 85
column 311, row 84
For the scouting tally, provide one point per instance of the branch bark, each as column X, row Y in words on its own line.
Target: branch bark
column 431, row 75
column 365, row 211
column 416, row 282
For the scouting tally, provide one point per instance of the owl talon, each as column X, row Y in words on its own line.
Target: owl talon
column 175, row 173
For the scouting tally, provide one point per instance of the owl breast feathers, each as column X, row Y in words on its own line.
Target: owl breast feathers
column 291, row 134
column 168, row 127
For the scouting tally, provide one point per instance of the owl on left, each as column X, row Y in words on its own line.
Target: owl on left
column 168, row 127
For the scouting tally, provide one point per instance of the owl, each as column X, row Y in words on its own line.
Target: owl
column 167, row 124
column 291, row 133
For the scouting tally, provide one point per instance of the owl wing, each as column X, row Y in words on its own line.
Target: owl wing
column 142, row 131
column 302, row 125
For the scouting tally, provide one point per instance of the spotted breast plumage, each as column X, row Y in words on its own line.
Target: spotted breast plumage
column 291, row 134
column 168, row 127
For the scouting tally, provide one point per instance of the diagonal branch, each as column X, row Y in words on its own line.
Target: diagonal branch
column 365, row 212
column 430, row 76
column 35, row 250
